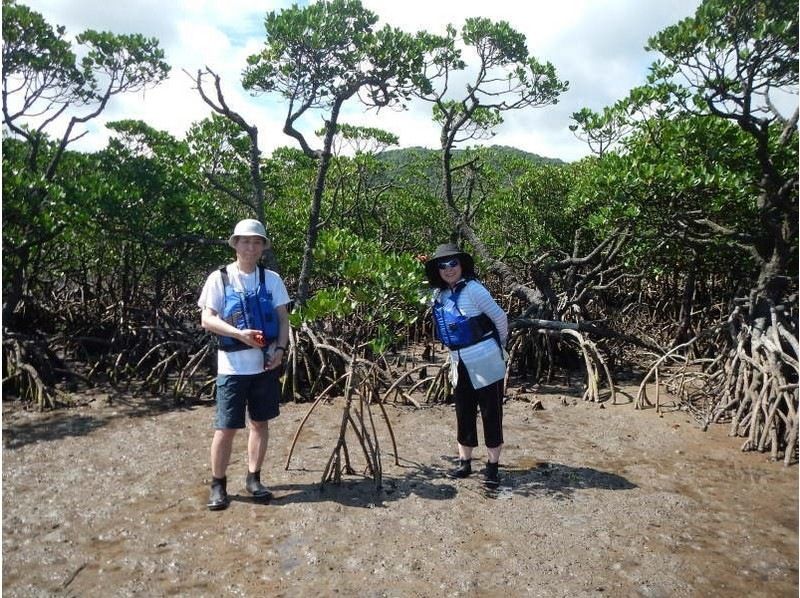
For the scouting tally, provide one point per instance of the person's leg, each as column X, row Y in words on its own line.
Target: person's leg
column 490, row 399
column 494, row 453
column 256, row 450
column 263, row 405
column 257, row 445
column 464, row 452
column 466, row 422
column 229, row 418
column 221, row 446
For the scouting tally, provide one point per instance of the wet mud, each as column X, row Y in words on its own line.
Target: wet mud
column 109, row 500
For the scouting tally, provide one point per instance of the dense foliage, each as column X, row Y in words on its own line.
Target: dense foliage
column 686, row 215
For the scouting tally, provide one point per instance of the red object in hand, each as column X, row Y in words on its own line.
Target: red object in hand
column 259, row 338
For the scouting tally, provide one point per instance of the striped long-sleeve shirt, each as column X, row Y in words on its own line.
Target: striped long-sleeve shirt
column 484, row 361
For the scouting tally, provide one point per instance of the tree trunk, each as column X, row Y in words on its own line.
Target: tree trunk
column 687, row 302
column 316, row 205
column 16, row 290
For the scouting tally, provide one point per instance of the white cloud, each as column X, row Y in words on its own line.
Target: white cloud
column 597, row 46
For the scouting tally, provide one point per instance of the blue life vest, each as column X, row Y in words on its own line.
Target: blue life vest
column 248, row 310
column 453, row 328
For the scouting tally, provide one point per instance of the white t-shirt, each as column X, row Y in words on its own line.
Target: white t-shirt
column 246, row 361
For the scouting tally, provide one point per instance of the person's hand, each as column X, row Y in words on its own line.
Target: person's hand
column 275, row 358
column 252, row 338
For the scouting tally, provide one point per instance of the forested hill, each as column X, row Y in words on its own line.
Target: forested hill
column 495, row 153
column 426, row 164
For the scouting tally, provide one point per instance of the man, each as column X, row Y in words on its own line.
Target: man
column 246, row 306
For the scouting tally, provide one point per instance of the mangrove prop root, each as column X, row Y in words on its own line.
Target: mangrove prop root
column 753, row 384
column 361, row 381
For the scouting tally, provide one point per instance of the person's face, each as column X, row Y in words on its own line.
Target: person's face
column 450, row 270
column 249, row 249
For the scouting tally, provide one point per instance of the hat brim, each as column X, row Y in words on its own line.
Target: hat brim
column 432, row 266
column 232, row 239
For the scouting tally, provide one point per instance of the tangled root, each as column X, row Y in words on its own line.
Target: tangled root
column 31, row 370
column 530, row 348
column 754, row 386
column 361, row 383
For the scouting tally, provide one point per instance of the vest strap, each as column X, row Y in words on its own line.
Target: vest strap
column 226, row 281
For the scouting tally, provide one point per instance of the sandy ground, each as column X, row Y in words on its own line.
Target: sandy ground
column 109, row 500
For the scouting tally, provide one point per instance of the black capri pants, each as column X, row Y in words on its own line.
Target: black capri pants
column 468, row 400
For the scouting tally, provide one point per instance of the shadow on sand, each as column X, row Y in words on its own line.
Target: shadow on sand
column 20, row 429
column 360, row 491
column 556, row 480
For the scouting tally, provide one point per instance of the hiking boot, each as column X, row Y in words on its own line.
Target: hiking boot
column 255, row 487
column 218, row 499
column 463, row 470
column 492, row 475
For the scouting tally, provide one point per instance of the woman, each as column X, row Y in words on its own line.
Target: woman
column 475, row 329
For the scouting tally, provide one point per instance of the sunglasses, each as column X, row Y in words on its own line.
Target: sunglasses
column 448, row 264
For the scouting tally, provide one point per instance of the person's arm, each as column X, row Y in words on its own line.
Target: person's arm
column 211, row 321
column 484, row 301
column 282, row 346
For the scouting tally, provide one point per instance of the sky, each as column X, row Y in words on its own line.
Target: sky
column 596, row 45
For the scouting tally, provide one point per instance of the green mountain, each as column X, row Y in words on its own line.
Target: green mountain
column 419, row 161
column 492, row 153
